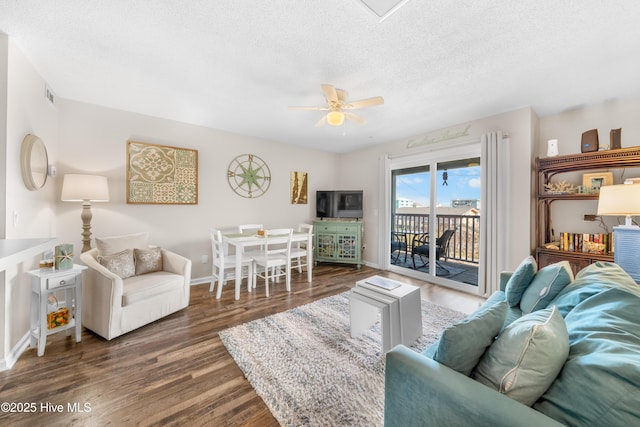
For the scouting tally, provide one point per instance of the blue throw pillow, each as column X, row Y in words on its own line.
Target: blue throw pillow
column 545, row 286
column 526, row 357
column 520, row 280
column 463, row 344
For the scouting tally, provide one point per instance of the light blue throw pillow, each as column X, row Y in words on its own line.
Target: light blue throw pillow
column 545, row 286
column 526, row 357
column 519, row 280
column 462, row 345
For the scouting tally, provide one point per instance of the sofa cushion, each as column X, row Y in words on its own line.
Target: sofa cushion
column 599, row 382
column 147, row 260
column 462, row 345
column 519, row 280
column 141, row 288
column 526, row 357
column 121, row 263
column 545, row 286
column 113, row 244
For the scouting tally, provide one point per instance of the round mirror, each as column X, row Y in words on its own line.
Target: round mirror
column 33, row 162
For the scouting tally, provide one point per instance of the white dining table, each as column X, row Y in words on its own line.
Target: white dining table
column 240, row 241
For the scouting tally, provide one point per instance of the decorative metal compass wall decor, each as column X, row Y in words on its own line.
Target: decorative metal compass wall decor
column 249, row 176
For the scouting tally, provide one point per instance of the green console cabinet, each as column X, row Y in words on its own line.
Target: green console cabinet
column 338, row 241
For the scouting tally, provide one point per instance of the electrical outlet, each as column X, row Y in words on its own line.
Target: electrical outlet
column 205, row 259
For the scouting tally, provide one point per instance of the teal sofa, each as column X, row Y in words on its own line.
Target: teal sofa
column 598, row 385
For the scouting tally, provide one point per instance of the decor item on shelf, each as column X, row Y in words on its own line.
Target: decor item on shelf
column 593, row 247
column 593, row 181
column 562, row 187
column 158, row 174
column 56, row 315
column 623, row 200
column 552, row 148
column 63, row 256
column 615, row 139
column 299, row 189
column 85, row 189
column 589, row 141
column 249, row 176
column 336, row 102
column 33, row 162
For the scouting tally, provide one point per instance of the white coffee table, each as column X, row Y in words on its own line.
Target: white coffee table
column 399, row 310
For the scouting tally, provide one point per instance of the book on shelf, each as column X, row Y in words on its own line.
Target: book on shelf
column 597, row 243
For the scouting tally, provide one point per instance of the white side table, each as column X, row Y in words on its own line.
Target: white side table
column 400, row 311
column 45, row 282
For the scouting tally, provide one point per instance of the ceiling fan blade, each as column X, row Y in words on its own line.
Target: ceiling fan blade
column 369, row 102
column 329, row 93
column 355, row 118
column 310, row 108
column 322, row 121
column 342, row 95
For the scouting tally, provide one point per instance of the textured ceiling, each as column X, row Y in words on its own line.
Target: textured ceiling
column 237, row 64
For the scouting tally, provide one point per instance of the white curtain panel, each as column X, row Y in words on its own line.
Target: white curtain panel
column 494, row 218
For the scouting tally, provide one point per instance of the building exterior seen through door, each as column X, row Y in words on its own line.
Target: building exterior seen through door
column 435, row 220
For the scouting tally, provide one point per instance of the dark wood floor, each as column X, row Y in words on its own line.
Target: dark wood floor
column 175, row 371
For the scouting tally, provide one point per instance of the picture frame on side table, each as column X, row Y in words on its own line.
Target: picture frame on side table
column 594, row 181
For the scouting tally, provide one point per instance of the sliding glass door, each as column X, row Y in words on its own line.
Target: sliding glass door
column 435, row 208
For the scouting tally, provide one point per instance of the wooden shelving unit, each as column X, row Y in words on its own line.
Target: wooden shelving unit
column 548, row 167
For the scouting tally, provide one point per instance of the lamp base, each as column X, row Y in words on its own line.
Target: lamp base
column 86, row 226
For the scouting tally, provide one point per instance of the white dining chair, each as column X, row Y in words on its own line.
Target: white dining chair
column 299, row 249
column 250, row 229
column 275, row 259
column 224, row 265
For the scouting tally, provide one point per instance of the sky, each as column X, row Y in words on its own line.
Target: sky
column 463, row 183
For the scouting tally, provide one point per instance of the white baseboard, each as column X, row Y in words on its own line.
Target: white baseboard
column 11, row 359
column 200, row 280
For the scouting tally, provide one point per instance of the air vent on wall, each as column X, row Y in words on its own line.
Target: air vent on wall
column 49, row 95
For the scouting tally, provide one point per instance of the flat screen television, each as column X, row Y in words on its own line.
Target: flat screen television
column 339, row 204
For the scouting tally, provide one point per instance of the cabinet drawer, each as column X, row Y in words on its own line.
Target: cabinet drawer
column 56, row 282
column 348, row 228
column 327, row 228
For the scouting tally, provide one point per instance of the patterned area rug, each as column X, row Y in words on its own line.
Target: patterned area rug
column 309, row 371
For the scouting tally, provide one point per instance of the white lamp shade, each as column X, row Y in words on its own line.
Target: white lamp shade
column 79, row 188
column 619, row 200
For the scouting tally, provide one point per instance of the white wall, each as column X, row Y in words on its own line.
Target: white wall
column 361, row 169
column 27, row 111
column 93, row 140
column 567, row 128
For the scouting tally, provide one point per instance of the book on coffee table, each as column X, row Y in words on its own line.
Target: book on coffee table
column 383, row 283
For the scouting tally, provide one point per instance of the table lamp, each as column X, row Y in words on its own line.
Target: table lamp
column 85, row 189
column 623, row 200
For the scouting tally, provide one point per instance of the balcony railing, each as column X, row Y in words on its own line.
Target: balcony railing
column 463, row 246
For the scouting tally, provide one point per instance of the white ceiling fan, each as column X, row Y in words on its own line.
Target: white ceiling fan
column 337, row 102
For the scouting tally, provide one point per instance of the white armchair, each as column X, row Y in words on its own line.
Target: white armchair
column 113, row 305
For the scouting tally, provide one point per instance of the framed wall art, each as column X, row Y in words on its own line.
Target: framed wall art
column 299, row 192
column 593, row 181
column 158, row 174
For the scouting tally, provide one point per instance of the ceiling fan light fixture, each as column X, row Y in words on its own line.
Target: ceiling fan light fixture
column 335, row 118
